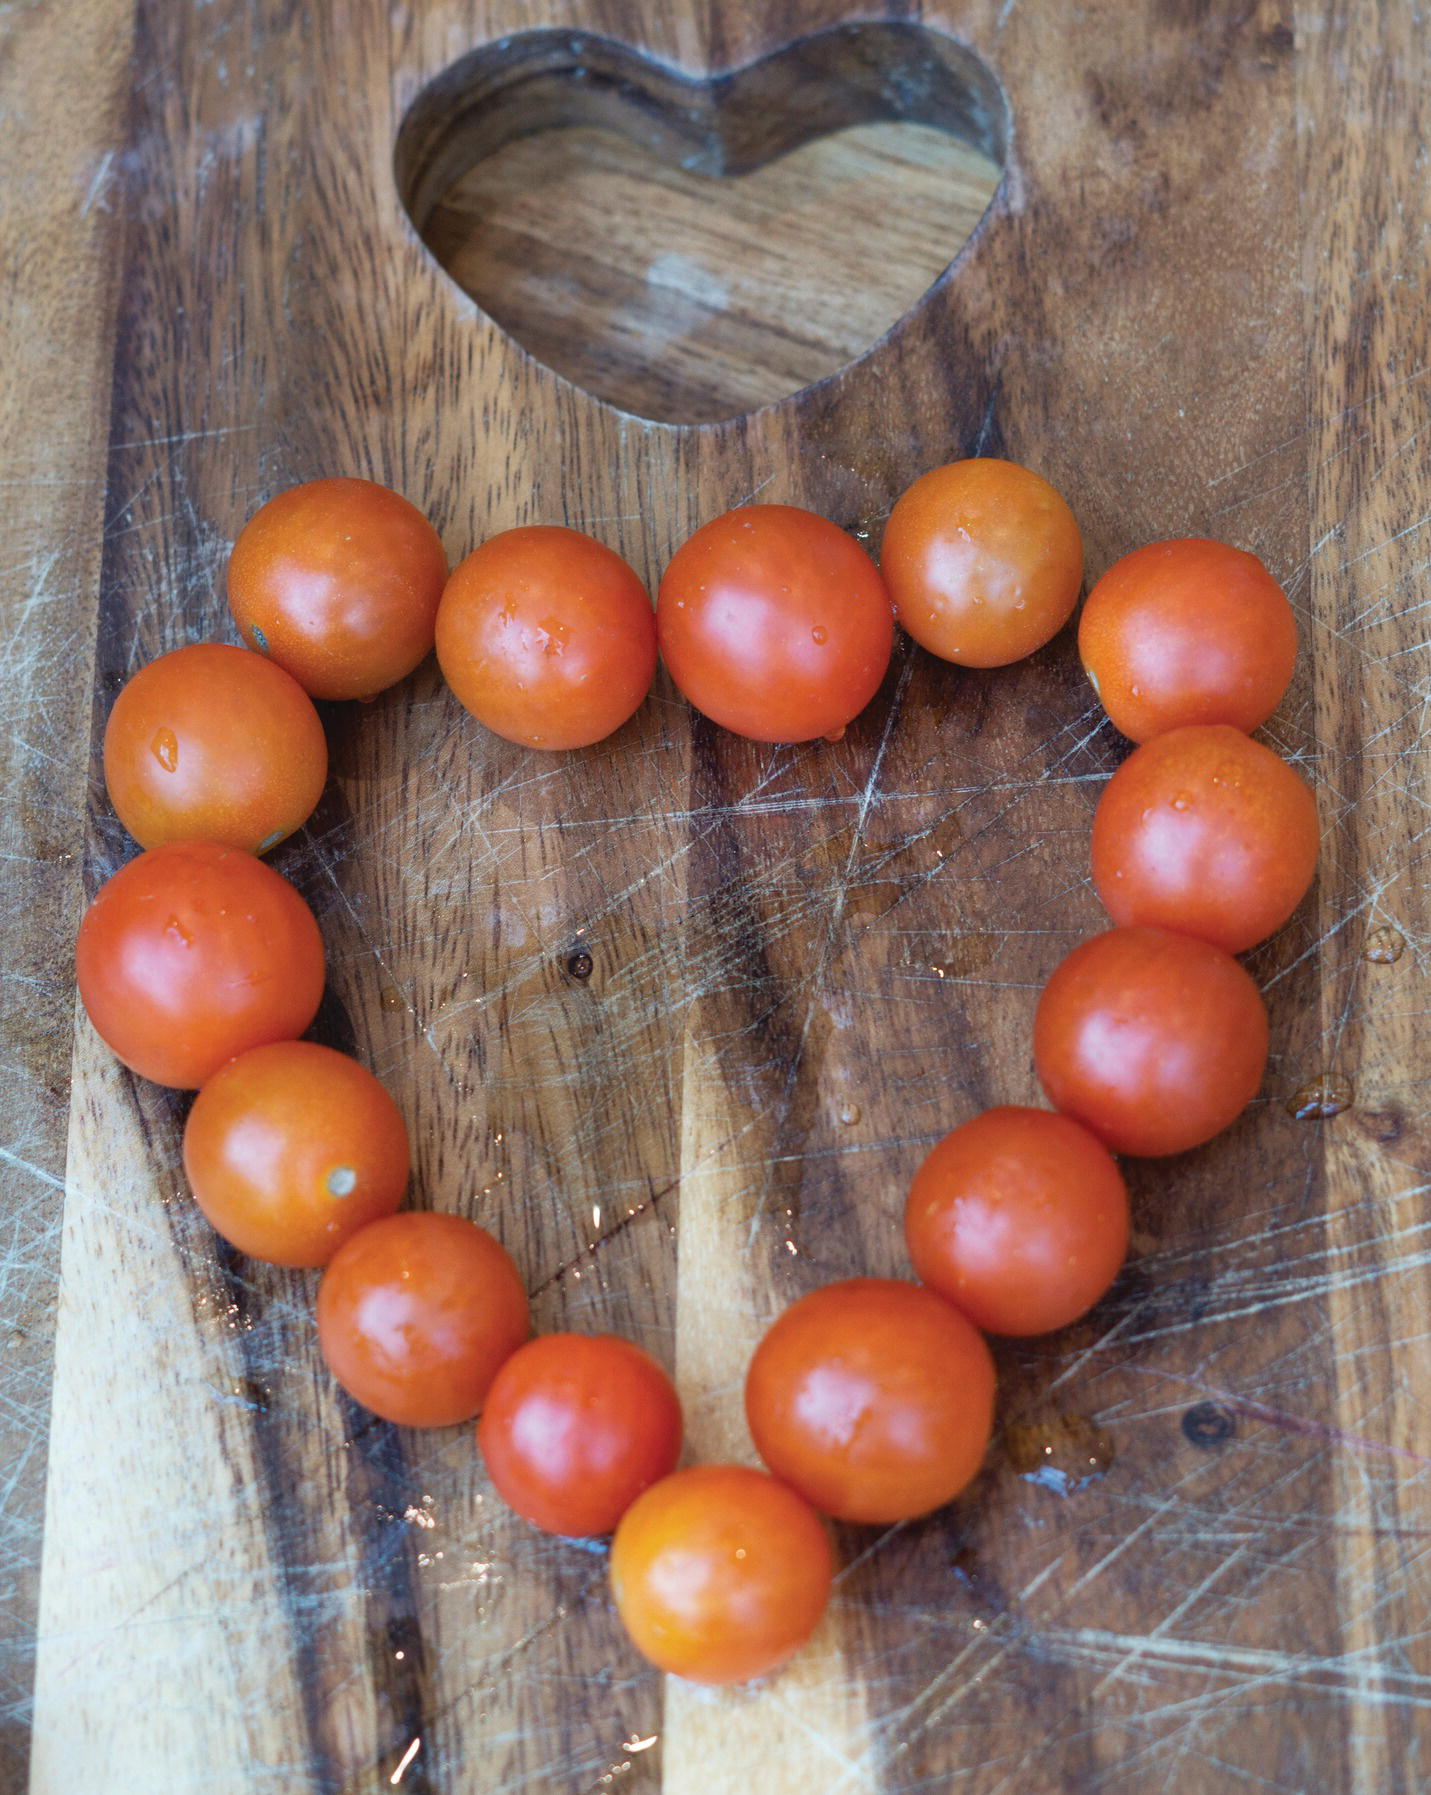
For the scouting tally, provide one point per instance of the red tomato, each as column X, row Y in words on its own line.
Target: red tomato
column 775, row 624
column 547, row 637
column 575, row 1426
column 211, row 743
column 1020, row 1219
column 874, row 1399
column 338, row 581
column 1154, row 1041
column 417, row 1313
column 193, row 953
column 1204, row 831
column 983, row 560
column 720, row 1573
column 1187, row 632
column 291, row 1148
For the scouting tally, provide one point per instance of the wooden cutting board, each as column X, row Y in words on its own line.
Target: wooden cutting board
column 1196, row 1559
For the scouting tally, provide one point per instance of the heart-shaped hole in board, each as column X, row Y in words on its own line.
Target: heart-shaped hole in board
column 689, row 249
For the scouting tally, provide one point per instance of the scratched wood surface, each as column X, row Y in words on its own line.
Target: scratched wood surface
column 1196, row 1558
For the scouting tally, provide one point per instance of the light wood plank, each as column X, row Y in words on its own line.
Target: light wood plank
column 1364, row 585
column 58, row 225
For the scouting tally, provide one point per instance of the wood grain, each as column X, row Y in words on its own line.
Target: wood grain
column 690, row 297
column 1196, row 307
column 1364, row 582
column 57, row 288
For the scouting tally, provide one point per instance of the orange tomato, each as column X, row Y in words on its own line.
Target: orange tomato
column 775, row 624
column 547, row 637
column 338, row 581
column 1204, row 831
column 983, row 560
column 193, row 953
column 575, row 1426
column 1020, row 1219
column 873, row 1398
column 1153, row 1041
column 720, row 1573
column 417, row 1313
column 212, row 743
column 1187, row 631
column 291, row 1148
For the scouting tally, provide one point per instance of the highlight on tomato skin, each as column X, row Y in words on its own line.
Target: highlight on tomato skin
column 214, row 743
column 289, row 1149
column 547, row 637
column 575, row 1427
column 1187, row 631
column 1019, row 1218
column 720, row 1573
column 983, row 559
column 1154, row 1041
column 1204, row 831
column 873, row 1398
column 417, row 1313
column 194, row 952
column 338, row 581
column 775, row 624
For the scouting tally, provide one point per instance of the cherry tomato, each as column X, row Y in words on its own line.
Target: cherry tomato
column 547, row 637
column 193, row 953
column 417, row 1313
column 775, row 624
column 873, row 1398
column 1204, row 831
column 1187, row 632
column 212, row 743
column 1154, row 1041
column 338, row 581
column 720, row 1573
column 983, row 560
column 1020, row 1219
column 291, row 1148
column 575, row 1426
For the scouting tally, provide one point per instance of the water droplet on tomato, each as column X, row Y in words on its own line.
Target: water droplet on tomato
column 819, row 635
column 1182, row 802
column 342, row 1181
